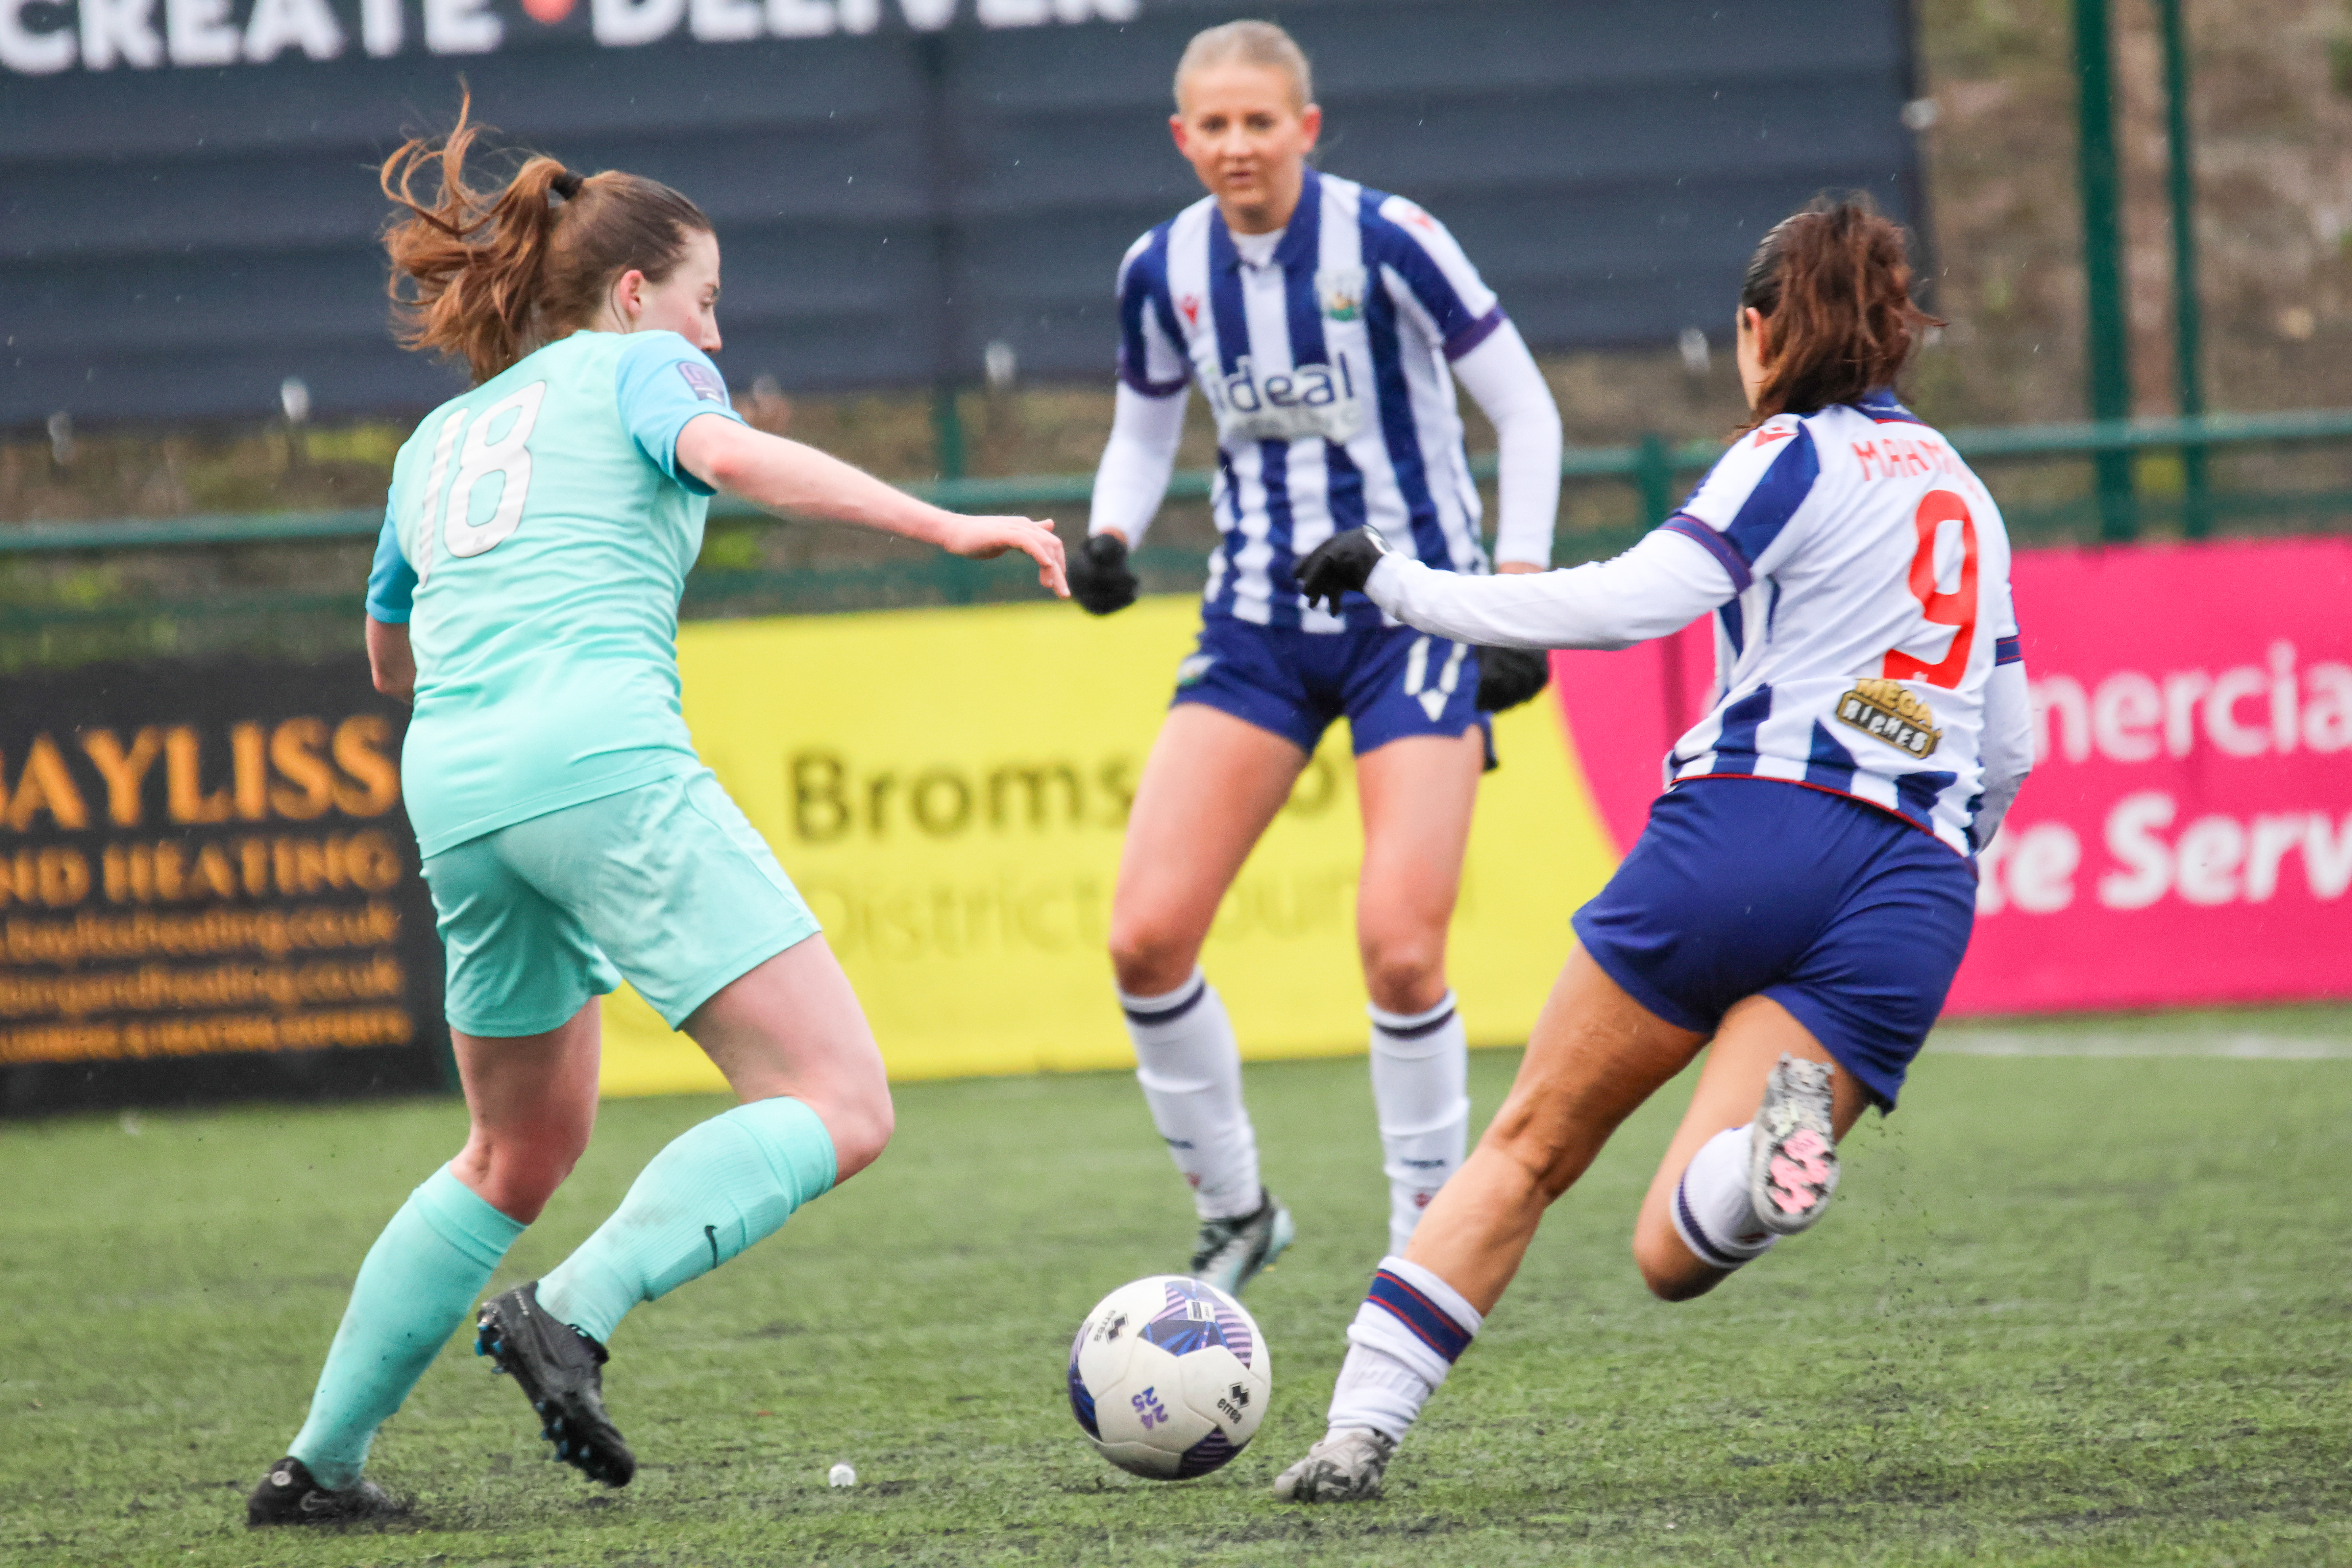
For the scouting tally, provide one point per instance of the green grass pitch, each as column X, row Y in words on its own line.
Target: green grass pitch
column 2067, row 1310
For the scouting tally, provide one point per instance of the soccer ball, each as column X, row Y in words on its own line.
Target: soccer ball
column 1169, row 1377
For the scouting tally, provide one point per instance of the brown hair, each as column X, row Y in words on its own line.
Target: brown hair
column 487, row 277
column 1248, row 44
column 1835, row 284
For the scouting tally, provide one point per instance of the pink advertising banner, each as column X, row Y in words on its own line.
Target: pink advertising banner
column 2187, row 835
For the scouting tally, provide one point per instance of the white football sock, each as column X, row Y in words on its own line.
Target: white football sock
column 1189, row 1066
column 1712, row 1211
column 1406, row 1337
column 1421, row 1072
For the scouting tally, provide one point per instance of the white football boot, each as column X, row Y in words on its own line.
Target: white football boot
column 1346, row 1466
column 1231, row 1252
column 1792, row 1164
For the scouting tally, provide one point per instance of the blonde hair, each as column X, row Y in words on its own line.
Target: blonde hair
column 1247, row 44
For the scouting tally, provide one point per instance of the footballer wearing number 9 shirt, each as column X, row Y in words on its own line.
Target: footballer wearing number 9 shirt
column 1804, row 890
column 1326, row 324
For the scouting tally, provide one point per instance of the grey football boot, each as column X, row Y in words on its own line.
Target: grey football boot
column 1348, row 1465
column 1231, row 1252
column 1792, row 1164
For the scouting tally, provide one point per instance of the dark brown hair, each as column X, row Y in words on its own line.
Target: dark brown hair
column 1835, row 284
column 487, row 277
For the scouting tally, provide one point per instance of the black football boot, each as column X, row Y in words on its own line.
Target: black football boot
column 290, row 1494
column 559, row 1369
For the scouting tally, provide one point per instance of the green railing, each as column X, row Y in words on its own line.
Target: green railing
column 49, row 621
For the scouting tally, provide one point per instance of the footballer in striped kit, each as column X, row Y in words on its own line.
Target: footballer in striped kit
column 1806, row 886
column 1327, row 325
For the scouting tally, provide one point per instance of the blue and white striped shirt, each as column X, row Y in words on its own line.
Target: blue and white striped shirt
column 1327, row 370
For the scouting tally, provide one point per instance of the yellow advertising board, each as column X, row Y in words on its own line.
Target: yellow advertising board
column 949, row 789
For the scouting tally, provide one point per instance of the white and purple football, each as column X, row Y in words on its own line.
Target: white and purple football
column 1169, row 1377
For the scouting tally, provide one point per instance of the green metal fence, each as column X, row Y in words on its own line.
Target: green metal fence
column 60, row 603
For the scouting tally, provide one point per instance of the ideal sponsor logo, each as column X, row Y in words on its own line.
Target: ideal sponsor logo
column 1288, row 405
column 1887, row 710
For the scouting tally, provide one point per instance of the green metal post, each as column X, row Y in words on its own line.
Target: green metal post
column 2188, row 319
column 2102, row 257
column 1654, row 470
column 947, row 431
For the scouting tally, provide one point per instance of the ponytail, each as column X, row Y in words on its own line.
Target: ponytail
column 1833, row 282
column 488, row 276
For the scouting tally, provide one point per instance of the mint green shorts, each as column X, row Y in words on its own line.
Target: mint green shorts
column 666, row 885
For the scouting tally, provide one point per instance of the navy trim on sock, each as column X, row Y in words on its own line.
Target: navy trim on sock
column 1695, row 1234
column 1170, row 1014
column 1415, row 1031
column 1432, row 1324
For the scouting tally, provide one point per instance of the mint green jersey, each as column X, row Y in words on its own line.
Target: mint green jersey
column 537, row 540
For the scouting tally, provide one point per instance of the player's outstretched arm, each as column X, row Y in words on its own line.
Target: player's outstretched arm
column 1660, row 585
column 786, row 476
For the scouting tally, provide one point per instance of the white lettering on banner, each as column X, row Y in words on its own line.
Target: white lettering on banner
column 2032, row 867
column 200, row 32
column 461, row 27
column 621, row 24
column 381, row 26
column 27, row 51
column 2247, row 711
column 724, row 21
column 39, row 37
column 2214, row 860
column 278, row 25
column 119, row 29
column 801, row 18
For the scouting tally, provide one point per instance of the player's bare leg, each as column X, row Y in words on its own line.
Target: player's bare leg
column 1211, row 788
column 530, row 1101
column 1595, row 1055
column 793, row 1026
column 1755, row 1035
column 1416, row 796
column 795, row 1044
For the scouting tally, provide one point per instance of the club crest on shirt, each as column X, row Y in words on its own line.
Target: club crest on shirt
column 1885, row 711
column 707, row 386
column 1341, row 291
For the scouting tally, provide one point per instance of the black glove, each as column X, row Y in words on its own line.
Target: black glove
column 1099, row 580
column 1341, row 564
column 1510, row 675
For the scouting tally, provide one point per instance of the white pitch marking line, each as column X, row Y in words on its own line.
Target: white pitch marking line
column 2239, row 1045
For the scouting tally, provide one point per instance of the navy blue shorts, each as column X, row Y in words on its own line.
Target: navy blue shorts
column 1847, row 915
column 1388, row 683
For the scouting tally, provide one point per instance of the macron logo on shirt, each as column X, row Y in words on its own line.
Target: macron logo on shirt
column 707, row 386
column 1766, row 437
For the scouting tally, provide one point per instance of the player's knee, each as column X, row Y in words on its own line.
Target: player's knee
column 1404, row 971
column 1147, row 957
column 516, row 1176
column 861, row 1126
column 1667, row 1266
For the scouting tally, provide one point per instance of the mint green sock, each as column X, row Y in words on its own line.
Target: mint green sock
column 714, row 1191
column 417, row 1283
